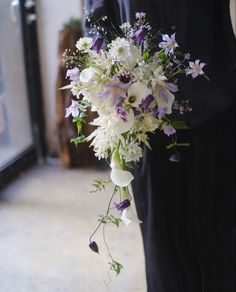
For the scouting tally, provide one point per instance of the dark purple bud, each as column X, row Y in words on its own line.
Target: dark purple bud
column 140, row 34
column 145, row 103
column 123, row 205
column 94, row 246
column 97, row 44
column 121, row 113
column 174, row 158
column 169, row 130
column 124, row 78
column 160, row 112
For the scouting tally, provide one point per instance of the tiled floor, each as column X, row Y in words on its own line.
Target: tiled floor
column 46, row 217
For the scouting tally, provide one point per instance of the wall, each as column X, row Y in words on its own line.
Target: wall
column 51, row 16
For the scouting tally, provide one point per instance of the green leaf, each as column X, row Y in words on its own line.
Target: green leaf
column 110, row 219
column 116, row 267
column 146, row 55
column 99, row 185
column 179, row 125
column 78, row 140
column 79, row 127
column 162, row 56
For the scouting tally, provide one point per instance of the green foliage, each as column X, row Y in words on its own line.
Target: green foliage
column 99, row 185
column 115, row 266
column 73, row 23
column 162, row 56
column 146, row 55
column 78, row 140
column 110, row 219
column 179, row 125
column 177, row 145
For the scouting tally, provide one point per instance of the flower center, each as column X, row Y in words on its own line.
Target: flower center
column 132, row 99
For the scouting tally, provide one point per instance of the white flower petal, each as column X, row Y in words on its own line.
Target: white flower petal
column 124, row 126
column 137, row 92
column 121, row 178
column 128, row 216
column 87, row 74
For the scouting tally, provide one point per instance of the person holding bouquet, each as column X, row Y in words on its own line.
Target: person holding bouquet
column 187, row 203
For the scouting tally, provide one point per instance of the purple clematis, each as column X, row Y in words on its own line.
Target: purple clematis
column 195, row 68
column 160, row 112
column 145, row 103
column 169, row 43
column 94, row 247
column 140, row 34
column 121, row 113
column 97, row 44
column 115, row 89
column 174, row 157
column 72, row 74
column 122, row 205
column 169, row 130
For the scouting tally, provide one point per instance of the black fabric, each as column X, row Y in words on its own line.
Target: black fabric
column 188, row 208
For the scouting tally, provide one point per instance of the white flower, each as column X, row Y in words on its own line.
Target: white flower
column 131, row 152
column 122, row 126
column 83, row 44
column 137, row 92
column 123, row 51
column 163, row 95
column 73, row 109
column 119, row 177
column 87, row 74
column 128, row 216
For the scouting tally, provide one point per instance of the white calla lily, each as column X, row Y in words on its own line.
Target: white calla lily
column 137, row 92
column 121, row 178
column 128, row 216
column 87, row 75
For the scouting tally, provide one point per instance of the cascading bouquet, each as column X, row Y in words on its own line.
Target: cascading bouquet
column 130, row 83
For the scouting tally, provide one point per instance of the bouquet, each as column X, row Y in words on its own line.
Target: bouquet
column 130, row 83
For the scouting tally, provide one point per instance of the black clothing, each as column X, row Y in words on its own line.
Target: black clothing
column 187, row 208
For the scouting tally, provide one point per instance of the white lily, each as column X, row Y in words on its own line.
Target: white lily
column 87, row 75
column 137, row 92
column 119, row 177
column 128, row 216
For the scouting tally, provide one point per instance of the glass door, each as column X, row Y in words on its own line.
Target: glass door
column 15, row 124
column 21, row 108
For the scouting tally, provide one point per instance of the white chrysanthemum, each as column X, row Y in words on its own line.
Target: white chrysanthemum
column 123, row 51
column 83, row 44
column 146, row 123
column 108, row 133
column 131, row 152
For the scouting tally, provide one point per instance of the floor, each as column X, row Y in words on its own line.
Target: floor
column 46, row 217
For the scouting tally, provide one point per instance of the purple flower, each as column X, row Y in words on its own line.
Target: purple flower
column 121, row 113
column 72, row 74
column 140, row 15
column 169, row 130
column 174, row 157
column 195, row 68
column 140, row 34
column 169, row 43
column 160, row 112
column 145, row 103
column 115, row 89
column 122, row 205
column 124, row 78
column 94, row 247
column 172, row 87
column 97, row 44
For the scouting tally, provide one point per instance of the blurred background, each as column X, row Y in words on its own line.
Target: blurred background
column 46, row 210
